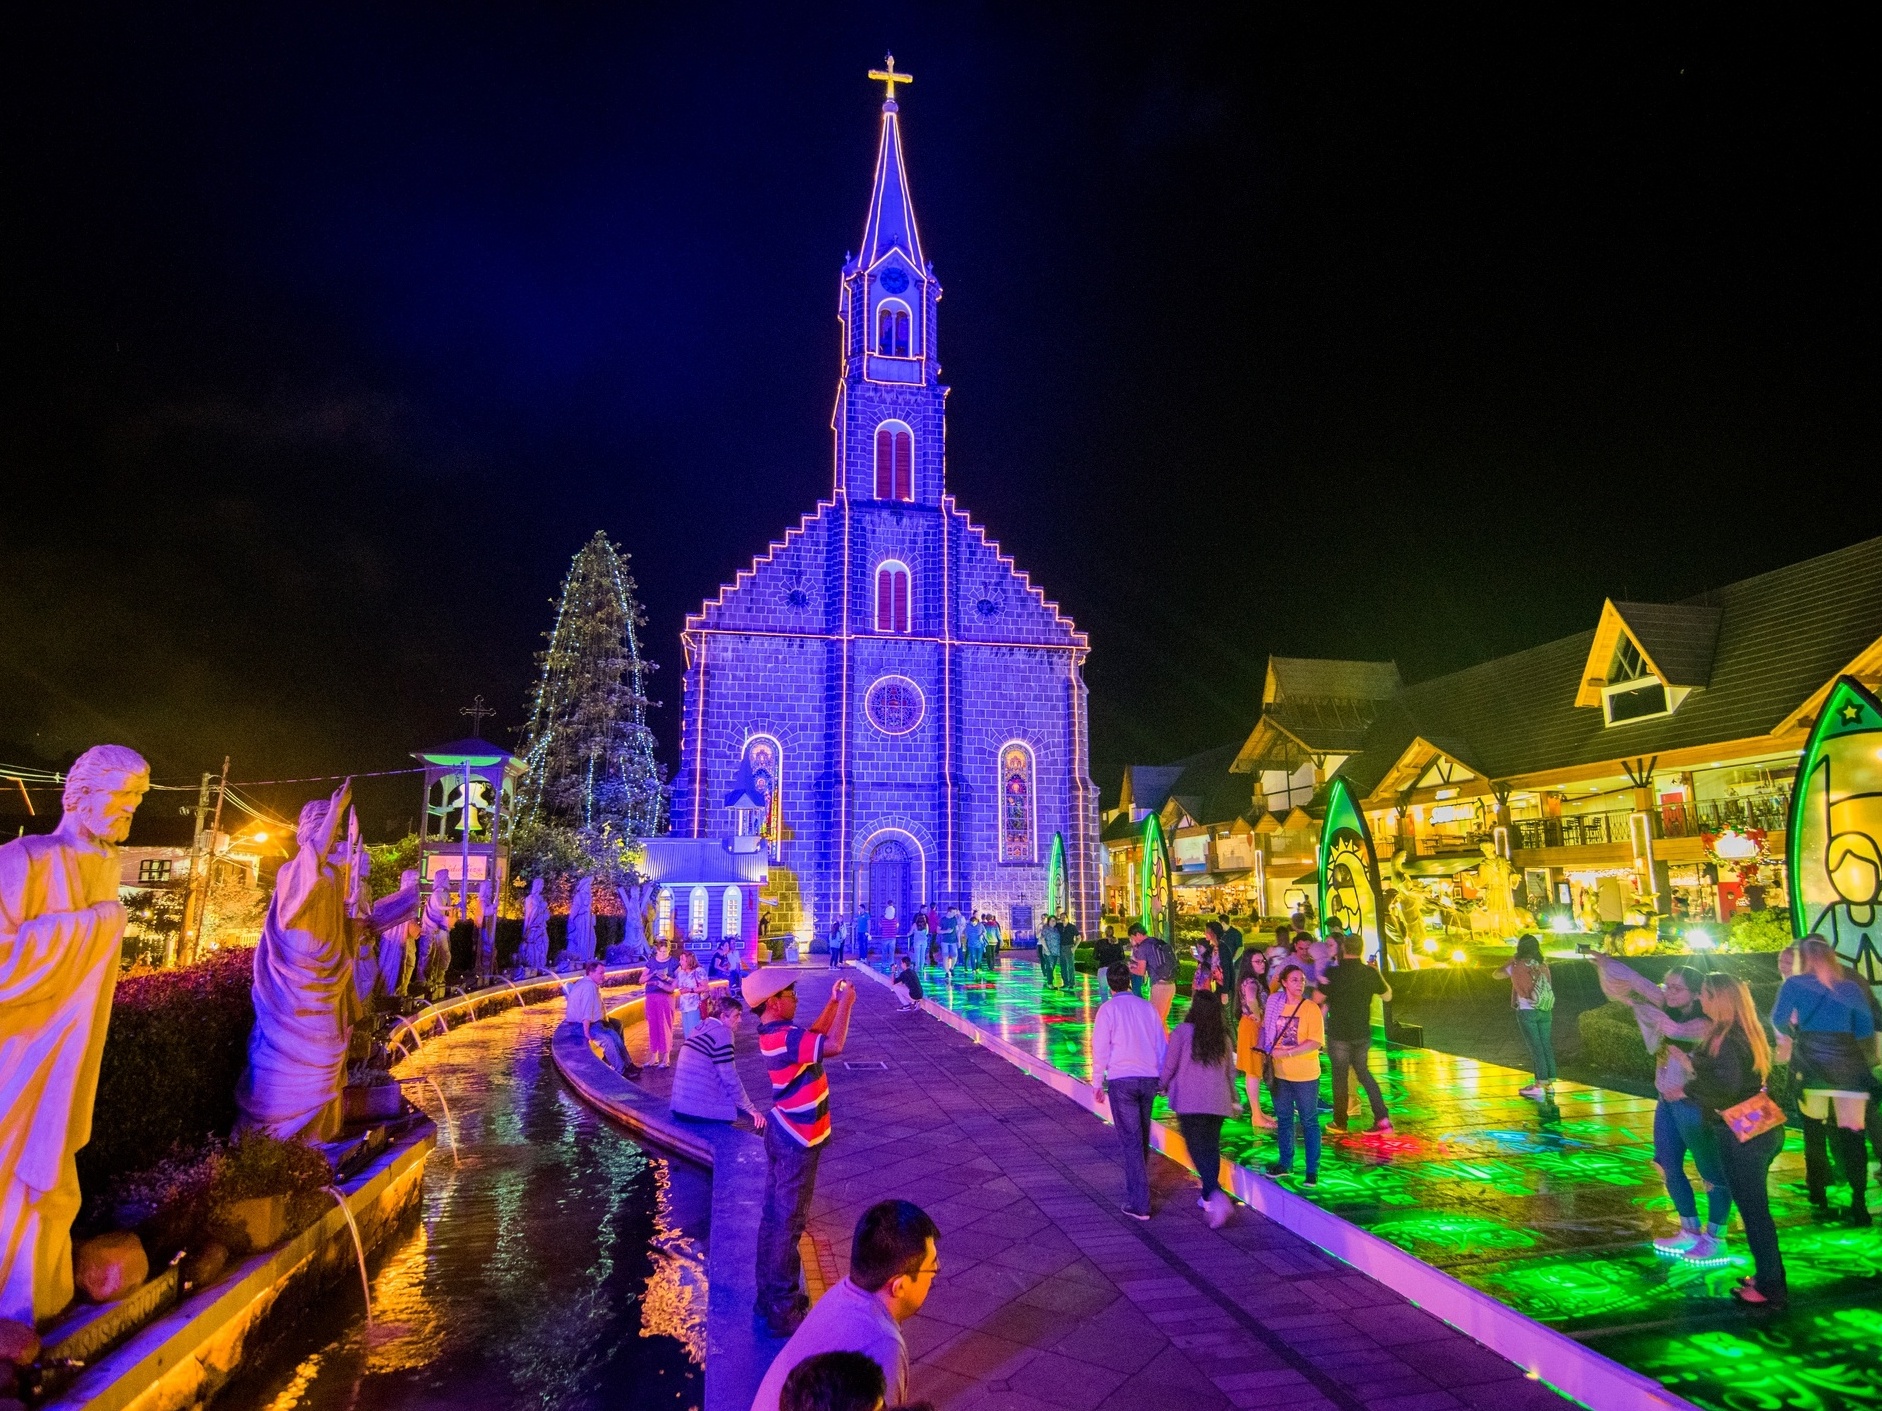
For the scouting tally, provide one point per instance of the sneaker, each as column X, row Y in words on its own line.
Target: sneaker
column 1533, row 1092
column 1676, row 1246
column 1384, row 1124
column 1705, row 1248
column 1859, row 1215
column 1275, row 1168
column 1312, row 1178
column 1135, row 1214
column 1216, row 1210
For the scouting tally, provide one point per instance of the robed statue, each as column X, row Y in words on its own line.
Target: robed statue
column 534, row 954
column 581, row 943
column 305, row 999
column 434, row 941
column 61, row 931
column 486, row 928
column 395, row 923
column 636, row 898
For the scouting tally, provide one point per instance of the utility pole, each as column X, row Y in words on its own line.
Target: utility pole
column 185, row 950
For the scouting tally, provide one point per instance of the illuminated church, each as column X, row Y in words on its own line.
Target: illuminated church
column 905, row 706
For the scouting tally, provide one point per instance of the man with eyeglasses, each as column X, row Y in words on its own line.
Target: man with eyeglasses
column 799, row 1126
column 893, row 1263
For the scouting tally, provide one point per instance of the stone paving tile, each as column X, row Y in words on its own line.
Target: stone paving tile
column 1050, row 1299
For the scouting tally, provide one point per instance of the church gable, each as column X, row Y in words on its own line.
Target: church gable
column 785, row 589
column 995, row 599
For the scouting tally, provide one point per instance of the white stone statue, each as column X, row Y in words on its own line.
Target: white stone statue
column 305, row 998
column 636, row 899
column 359, row 923
column 486, row 928
column 395, row 922
column 61, row 929
column 534, row 954
column 434, row 945
column 581, row 942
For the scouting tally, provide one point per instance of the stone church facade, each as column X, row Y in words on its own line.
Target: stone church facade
column 907, row 703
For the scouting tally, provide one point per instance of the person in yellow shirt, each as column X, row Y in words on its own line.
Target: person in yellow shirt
column 1299, row 1036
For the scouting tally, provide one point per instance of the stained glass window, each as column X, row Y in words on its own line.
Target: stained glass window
column 1016, row 803
column 894, row 705
column 766, row 760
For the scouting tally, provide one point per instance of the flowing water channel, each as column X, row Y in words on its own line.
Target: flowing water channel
column 557, row 1265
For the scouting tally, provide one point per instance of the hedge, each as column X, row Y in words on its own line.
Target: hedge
column 1610, row 1042
column 174, row 1051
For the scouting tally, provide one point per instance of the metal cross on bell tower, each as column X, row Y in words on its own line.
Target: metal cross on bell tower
column 888, row 77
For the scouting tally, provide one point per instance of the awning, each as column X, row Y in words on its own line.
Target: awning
column 1311, row 879
column 1213, row 879
column 1441, row 866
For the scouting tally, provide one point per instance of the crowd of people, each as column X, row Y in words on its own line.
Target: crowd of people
column 1278, row 1016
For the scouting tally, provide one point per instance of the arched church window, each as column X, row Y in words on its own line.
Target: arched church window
column 731, row 915
column 892, row 597
column 697, row 902
column 892, row 329
column 895, row 462
column 765, row 758
column 1016, row 802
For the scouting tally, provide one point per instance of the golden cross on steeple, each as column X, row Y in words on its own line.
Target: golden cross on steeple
column 888, row 77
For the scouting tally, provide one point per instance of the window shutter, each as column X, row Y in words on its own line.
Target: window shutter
column 904, row 469
column 885, row 461
column 885, row 600
column 901, row 602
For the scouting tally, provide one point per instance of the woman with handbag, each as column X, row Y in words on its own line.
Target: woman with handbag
column 1252, row 981
column 1671, row 1022
column 1298, row 1035
column 1827, row 1033
column 661, row 982
column 1532, row 996
column 1730, row 1066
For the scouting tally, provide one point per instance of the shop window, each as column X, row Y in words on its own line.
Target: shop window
column 892, row 326
column 892, row 597
column 895, row 462
column 1016, row 803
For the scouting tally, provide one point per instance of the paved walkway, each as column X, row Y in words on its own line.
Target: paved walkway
column 1050, row 1299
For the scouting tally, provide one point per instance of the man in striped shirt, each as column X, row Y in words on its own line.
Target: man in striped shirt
column 796, row 1133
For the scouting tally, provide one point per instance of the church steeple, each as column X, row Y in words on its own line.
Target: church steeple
column 891, row 406
column 891, row 221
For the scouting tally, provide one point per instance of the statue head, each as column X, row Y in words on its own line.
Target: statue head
column 103, row 789
column 535, row 887
column 408, row 879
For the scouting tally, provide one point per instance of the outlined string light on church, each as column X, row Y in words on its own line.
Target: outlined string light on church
column 913, row 705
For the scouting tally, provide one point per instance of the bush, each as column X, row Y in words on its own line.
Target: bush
column 1758, row 930
column 174, row 1051
column 175, row 1203
column 1610, row 1042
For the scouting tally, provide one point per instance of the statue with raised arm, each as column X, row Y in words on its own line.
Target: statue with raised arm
column 305, row 998
column 395, row 923
column 581, row 943
column 534, row 955
column 636, row 897
column 61, row 929
column 434, row 942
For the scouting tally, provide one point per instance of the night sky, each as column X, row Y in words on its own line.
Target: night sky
column 337, row 330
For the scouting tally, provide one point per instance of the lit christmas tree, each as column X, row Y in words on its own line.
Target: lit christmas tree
column 590, row 753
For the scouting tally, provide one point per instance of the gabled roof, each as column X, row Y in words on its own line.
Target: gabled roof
column 1200, row 785
column 1781, row 637
column 684, row 862
column 1147, row 786
column 1327, row 678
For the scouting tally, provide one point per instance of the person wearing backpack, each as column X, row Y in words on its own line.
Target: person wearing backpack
column 1532, row 996
column 1154, row 960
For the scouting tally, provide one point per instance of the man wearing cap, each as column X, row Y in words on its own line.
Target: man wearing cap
column 794, row 1137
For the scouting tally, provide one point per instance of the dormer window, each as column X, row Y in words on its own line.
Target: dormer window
column 1632, row 691
column 892, row 325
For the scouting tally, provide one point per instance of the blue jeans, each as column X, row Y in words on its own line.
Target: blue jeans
column 1297, row 1098
column 836, row 954
column 1677, row 1129
column 1131, row 1099
column 790, row 1182
column 1747, row 1166
column 1538, row 1026
column 918, row 949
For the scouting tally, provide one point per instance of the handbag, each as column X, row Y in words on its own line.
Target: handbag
column 1753, row 1117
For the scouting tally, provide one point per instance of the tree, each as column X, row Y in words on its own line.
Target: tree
column 590, row 754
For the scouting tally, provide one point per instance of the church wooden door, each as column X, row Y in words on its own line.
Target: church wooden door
column 889, row 892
